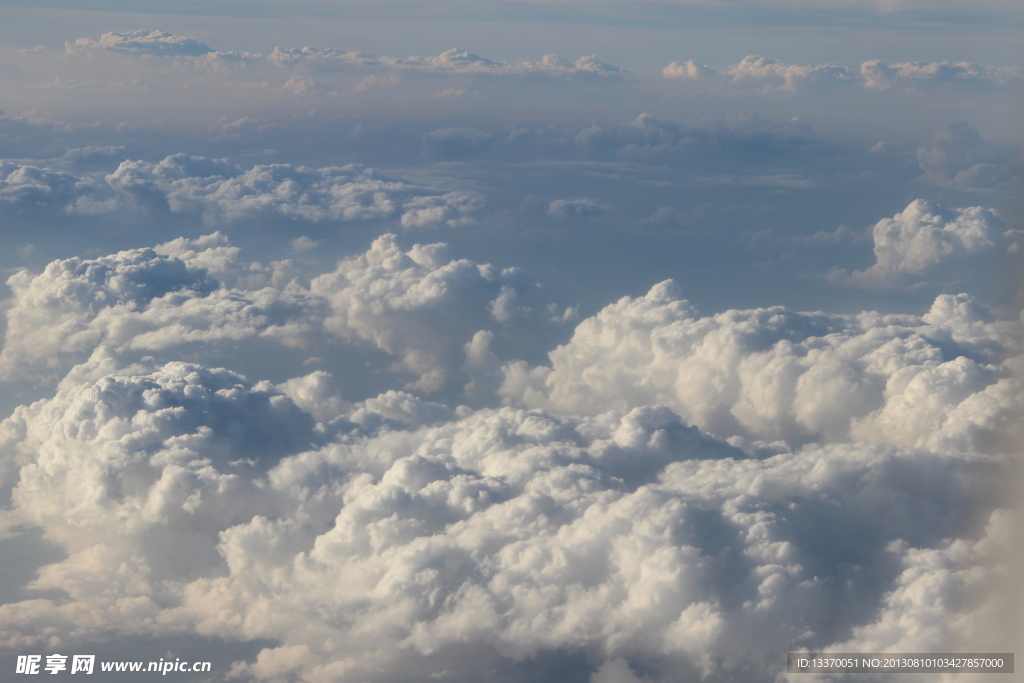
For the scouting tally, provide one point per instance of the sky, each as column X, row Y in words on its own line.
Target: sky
column 508, row 341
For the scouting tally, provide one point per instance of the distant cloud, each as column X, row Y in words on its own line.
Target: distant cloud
column 157, row 43
column 219, row 192
column 788, row 77
column 958, row 156
column 453, row 61
column 688, row 69
column 456, row 142
column 771, row 75
column 31, row 186
column 91, row 153
column 878, row 74
column 764, row 73
column 575, row 208
column 650, row 137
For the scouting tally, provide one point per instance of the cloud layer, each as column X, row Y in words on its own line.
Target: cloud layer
column 347, row 453
column 194, row 498
column 675, row 492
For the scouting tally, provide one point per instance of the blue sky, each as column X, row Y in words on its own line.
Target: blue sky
column 578, row 341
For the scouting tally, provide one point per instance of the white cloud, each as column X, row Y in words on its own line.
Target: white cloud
column 201, row 504
column 423, row 304
column 381, row 539
column 303, row 243
column 774, row 374
column 924, row 238
column 51, row 312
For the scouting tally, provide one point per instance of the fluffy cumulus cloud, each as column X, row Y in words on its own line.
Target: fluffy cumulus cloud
column 218, row 192
column 367, row 458
column 199, row 292
column 140, row 300
column 674, row 495
column 204, row 504
column 399, row 300
column 773, row 374
column 925, row 238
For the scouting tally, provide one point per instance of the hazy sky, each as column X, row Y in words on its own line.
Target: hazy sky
column 507, row 341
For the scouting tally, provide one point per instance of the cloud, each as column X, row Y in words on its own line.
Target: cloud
column 924, row 238
column 789, row 77
column 675, row 494
column 770, row 75
column 219, row 192
column 961, row 571
column 774, row 374
column 688, row 69
column 400, row 300
column 157, row 43
column 453, row 61
column 456, row 142
column 764, row 73
column 33, row 187
column 80, row 155
column 958, row 156
column 649, row 137
column 877, row 74
column 140, row 299
column 575, row 208
column 204, row 504
column 422, row 305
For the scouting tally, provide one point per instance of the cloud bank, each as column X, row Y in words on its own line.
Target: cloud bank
column 347, row 453
column 674, row 493
column 509, row 532
column 770, row 75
